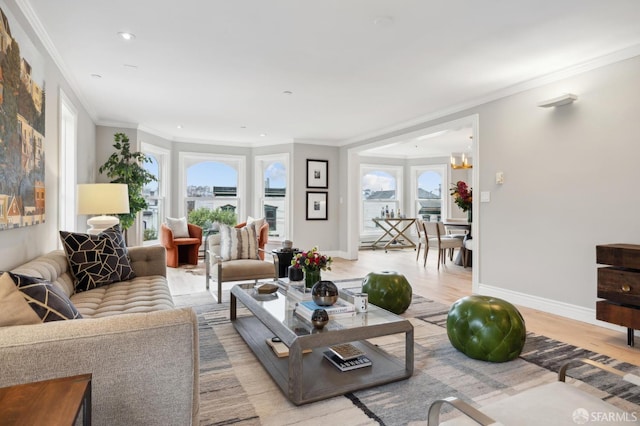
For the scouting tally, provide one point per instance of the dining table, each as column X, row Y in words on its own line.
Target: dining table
column 395, row 229
column 463, row 225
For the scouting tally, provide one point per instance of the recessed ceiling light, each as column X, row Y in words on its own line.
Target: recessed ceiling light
column 383, row 21
column 179, row 126
column 263, row 134
column 126, row 36
column 96, row 76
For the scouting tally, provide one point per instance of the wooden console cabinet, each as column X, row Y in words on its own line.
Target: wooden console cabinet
column 619, row 284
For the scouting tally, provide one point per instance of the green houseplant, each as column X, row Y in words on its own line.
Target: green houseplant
column 205, row 217
column 124, row 166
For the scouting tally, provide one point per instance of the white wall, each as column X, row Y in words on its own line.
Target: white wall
column 570, row 178
column 570, row 184
column 19, row 245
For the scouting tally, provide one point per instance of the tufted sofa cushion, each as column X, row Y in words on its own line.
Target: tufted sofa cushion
column 147, row 292
column 141, row 294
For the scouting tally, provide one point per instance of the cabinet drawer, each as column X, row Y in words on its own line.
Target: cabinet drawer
column 617, row 314
column 622, row 255
column 619, row 285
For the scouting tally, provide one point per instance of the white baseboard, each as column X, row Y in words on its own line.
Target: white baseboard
column 567, row 310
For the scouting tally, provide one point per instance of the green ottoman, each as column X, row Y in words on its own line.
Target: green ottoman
column 486, row 328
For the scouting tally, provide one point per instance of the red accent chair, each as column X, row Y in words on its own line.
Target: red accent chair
column 181, row 250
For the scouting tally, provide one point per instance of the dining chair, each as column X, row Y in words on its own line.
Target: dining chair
column 467, row 251
column 439, row 240
column 456, row 230
column 421, row 239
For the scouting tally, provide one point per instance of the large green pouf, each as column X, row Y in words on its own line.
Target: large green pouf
column 388, row 290
column 486, row 328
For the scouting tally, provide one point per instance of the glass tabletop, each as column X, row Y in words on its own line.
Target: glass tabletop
column 281, row 307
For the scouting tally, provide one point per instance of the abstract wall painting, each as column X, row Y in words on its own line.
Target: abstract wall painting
column 22, row 127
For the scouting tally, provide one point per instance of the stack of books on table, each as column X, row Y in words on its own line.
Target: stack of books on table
column 340, row 309
column 346, row 357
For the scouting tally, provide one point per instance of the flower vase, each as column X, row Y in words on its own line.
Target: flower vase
column 469, row 215
column 311, row 277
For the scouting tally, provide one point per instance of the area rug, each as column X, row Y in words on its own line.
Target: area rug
column 235, row 388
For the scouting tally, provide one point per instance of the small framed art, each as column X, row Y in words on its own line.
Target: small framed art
column 318, row 174
column 317, row 205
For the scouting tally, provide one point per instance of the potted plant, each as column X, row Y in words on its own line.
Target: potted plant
column 312, row 262
column 124, row 166
column 463, row 197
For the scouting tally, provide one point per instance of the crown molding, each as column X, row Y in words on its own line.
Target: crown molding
column 32, row 18
column 595, row 63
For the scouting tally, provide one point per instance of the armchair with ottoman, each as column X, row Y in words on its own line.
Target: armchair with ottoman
column 140, row 349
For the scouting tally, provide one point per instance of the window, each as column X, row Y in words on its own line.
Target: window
column 212, row 182
column 67, row 185
column 428, row 189
column 155, row 192
column 272, row 181
column 381, row 189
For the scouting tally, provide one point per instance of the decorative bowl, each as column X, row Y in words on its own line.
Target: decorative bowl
column 324, row 293
column 319, row 318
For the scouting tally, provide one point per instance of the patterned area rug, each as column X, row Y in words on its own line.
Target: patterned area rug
column 235, row 388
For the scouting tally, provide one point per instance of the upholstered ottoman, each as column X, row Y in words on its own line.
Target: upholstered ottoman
column 486, row 328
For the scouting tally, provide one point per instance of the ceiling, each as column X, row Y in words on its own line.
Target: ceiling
column 254, row 72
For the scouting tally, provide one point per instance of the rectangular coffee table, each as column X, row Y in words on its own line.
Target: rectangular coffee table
column 310, row 377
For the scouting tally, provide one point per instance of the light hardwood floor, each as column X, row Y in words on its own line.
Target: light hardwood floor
column 447, row 285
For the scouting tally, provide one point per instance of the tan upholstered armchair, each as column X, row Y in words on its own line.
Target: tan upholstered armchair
column 239, row 269
column 181, row 250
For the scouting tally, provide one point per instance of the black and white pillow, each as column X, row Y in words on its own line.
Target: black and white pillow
column 238, row 243
column 96, row 260
column 45, row 299
column 124, row 270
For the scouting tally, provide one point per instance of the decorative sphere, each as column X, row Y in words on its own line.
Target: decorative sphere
column 324, row 293
column 486, row 328
column 388, row 290
column 319, row 318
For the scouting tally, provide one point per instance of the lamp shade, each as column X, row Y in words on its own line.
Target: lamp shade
column 103, row 198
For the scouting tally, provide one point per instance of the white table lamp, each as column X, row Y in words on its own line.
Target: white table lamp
column 102, row 199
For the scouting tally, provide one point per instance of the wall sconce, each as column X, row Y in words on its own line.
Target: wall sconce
column 102, row 199
column 565, row 99
column 459, row 160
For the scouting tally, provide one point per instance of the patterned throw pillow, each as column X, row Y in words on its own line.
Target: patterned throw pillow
column 123, row 268
column 47, row 301
column 14, row 310
column 238, row 243
column 96, row 260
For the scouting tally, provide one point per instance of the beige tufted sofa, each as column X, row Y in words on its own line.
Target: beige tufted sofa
column 140, row 349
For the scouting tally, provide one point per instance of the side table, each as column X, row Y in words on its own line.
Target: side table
column 55, row 402
column 284, row 260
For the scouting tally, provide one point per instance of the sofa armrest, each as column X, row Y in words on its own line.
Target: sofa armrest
column 148, row 260
column 145, row 367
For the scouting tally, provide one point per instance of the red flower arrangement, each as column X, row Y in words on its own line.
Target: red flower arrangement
column 462, row 195
column 312, row 261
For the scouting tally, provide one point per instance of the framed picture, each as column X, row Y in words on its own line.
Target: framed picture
column 318, row 174
column 317, row 205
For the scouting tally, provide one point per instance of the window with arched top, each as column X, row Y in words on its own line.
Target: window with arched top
column 381, row 192
column 429, row 190
column 155, row 192
column 272, row 182
column 212, row 182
